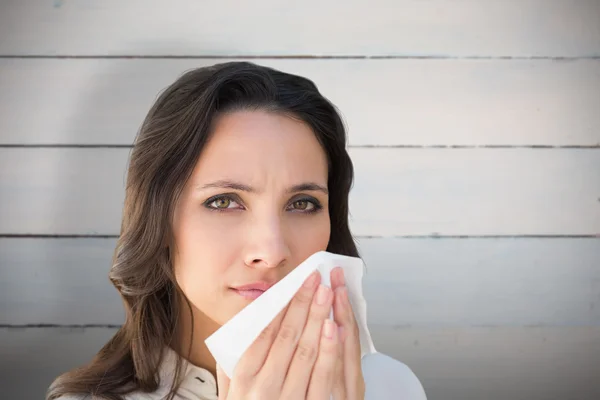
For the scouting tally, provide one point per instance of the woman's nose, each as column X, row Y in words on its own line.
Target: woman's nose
column 266, row 245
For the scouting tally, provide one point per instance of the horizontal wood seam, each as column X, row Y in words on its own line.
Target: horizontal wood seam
column 364, row 146
column 296, row 57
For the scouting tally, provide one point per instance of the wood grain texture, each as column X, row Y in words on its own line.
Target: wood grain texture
column 408, row 282
column 384, row 102
column 547, row 28
column 452, row 363
column 396, row 192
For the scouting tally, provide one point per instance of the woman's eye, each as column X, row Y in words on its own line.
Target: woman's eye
column 222, row 203
column 305, row 205
column 301, row 204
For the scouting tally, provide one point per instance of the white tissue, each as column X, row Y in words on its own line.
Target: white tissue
column 229, row 342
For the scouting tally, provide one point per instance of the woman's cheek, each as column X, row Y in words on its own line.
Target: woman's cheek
column 201, row 241
column 310, row 232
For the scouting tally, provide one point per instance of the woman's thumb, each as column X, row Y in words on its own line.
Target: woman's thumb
column 222, row 383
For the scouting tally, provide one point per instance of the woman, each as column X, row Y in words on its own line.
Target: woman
column 238, row 174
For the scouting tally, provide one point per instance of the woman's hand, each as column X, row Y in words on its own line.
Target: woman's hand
column 349, row 383
column 295, row 357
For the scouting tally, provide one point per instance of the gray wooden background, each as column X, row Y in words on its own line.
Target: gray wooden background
column 475, row 131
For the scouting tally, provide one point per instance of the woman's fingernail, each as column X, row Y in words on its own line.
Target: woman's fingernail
column 329, row 329
column 322, row 295
column 311, row 280
column 342, row 278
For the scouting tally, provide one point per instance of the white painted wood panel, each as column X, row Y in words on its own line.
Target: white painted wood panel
column 452, row 363
column 396, row 191
column 384, row 102
column 57, row 281
column 408, row 282
column 268, row 27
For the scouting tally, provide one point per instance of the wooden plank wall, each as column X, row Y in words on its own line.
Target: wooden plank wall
column 475, row 131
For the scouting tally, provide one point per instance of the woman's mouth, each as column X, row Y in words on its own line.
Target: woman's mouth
column 253, row 290
column 250, row 294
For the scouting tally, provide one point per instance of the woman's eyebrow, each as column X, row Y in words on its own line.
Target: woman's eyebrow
column 227, row 184
column 308, row 187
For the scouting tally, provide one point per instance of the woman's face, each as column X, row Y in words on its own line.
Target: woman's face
column 255, row 207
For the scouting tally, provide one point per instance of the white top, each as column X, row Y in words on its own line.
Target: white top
column 385, row 378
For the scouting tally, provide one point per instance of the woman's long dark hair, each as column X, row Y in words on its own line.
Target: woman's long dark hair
column 165, row 152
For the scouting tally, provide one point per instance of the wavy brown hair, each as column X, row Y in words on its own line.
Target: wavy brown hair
column 164, row 154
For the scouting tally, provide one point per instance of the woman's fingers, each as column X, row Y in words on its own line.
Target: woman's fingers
column 290, row 330
column 337, row 278
column 344, row 317
column 255, row 355
column 222, row 383
column 323, row 373
column 264, row 365
column 309, row 348
column 299, row 355
column 339, row 380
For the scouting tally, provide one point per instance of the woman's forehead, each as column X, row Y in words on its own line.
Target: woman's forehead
column 251, row 143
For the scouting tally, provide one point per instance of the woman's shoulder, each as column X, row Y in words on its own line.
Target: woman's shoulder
column 388, row 378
